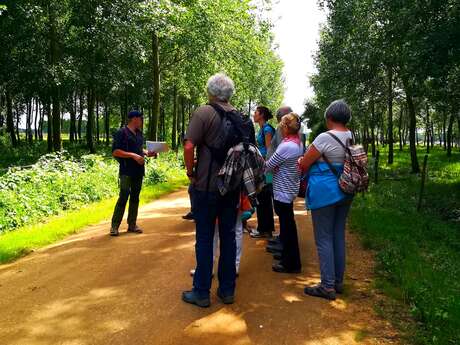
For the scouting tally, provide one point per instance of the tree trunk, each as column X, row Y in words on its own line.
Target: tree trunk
column 56, row 115
column 153, row 124
column 390, row 115
column 10, row 120
column 90, row 121
column 174, row 120
column 373, row 127
column 106, row 123
column 444, row 132
column 80, row 114
column 36, row 118
column 449, row 134
column 428, row 133
column 41, row 123
column 97, row 121
column 49, row 130
column 400, row 128
column 412, row 130
column 18, row 118
column 73, row 119
column 182, row 132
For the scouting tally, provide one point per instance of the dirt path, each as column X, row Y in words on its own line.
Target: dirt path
column 93, row 289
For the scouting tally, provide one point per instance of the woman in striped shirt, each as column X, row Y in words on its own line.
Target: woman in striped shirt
column 286, row 182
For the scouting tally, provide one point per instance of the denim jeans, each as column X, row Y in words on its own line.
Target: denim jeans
column 209, row 207
column 329, row 229
column 130, row 187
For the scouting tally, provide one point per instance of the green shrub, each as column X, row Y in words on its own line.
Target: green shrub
column 60, row 182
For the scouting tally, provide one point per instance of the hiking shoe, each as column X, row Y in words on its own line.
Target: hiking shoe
column 257, row 234
column 188, row 216
column 230, row 299
column 320, row 291
column 135, row 230
column 339, row 288
column 274, row 249
column 192, row 298
column 274, row 241
column 114, row 231
column 279, row 268
column 277, row 256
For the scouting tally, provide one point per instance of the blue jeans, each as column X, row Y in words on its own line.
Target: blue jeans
column 329, row 229
column 207, row 208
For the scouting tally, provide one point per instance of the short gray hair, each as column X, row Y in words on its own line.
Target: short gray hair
column 283, row 111
column 221, row 87
column 338, row 111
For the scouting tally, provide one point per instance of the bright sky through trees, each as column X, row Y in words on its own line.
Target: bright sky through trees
column 297, row 25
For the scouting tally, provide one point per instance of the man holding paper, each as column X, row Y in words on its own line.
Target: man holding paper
column 128, row 149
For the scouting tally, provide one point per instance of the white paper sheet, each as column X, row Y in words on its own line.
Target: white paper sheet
column 157, row 146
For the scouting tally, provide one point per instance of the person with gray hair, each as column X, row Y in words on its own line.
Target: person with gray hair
column 204, row 131
column 324, row 162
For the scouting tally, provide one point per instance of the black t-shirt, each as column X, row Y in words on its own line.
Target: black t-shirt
column 127, row 141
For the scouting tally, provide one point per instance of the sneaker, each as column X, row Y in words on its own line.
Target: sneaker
column 257, row 234
column 114, row 231
column 136, row 230
column 320, row 291
column 192, row 298
column 230, row 299
column 274, row 241
column 188, row 216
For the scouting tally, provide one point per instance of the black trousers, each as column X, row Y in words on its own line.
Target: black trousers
column 290, row 257
column 130, row 188
column 265, row 221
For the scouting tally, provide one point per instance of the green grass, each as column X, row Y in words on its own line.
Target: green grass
column 418, row 253
column 22, row 241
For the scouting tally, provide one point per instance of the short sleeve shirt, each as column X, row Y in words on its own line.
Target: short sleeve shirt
column 128, row 141
column 266, row 129
column 204, row 129
column 329, row 147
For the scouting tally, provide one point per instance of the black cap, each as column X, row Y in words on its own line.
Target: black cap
column 135, row 113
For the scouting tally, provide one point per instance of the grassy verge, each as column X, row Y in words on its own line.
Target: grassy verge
column 417, row 252
column 18, row 243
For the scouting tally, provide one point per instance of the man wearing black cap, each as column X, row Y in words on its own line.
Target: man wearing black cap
column 128, row 149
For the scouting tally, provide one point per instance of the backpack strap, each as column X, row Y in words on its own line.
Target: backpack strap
column 329, row 163
column 338, row 140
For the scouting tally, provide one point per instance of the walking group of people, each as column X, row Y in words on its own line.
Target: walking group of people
column 233, row 173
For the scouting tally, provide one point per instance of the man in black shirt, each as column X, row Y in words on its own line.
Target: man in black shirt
column 128, row 149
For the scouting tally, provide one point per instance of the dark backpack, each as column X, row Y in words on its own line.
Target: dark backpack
column 235, row 129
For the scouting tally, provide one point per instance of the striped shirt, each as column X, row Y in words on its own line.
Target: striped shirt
column 286, row 175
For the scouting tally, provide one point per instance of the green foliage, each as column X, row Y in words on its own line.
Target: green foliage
column 417, row 252
column 59, row 182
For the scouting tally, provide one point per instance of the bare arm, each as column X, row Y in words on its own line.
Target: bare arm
column 189, row 157
column 125, row 154
column 310, row 157
column 268, row 140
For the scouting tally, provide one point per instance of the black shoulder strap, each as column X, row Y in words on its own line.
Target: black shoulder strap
column 338, row 140
column 329, row 163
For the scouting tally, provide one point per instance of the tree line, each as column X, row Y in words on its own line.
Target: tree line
column 398, row 65
column 80, row 66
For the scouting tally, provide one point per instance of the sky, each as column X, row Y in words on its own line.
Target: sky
column 296, row 28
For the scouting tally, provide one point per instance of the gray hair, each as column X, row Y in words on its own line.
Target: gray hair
column 283, row 111
column 338, row 111
column 221, row 87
